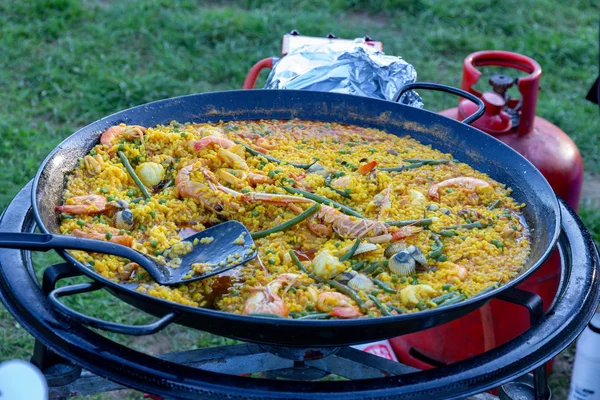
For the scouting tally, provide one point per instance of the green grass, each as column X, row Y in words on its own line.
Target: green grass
column 66, row 63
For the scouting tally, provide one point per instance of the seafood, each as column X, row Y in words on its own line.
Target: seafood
column 462, row 181
column 337, row 305
column 104, row 232
column 87, row 204
column 122, row 131
column 198, row 190
column 212, row 141
column 93, row 164
column 361, row 282
column 265, row 300
column 402, row 263
column 123, row 219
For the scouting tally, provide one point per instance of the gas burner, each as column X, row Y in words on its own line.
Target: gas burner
column 77, row 360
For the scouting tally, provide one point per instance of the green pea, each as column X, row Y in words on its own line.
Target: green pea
column 131, row 192
column 271, row 261
column 497, row 243
column 183, row 134
column 92, row 263
column 375, row 292
column 403, row 280
column 103, row 190
column 310, row 307
column 121, row 147
column 270, row 251
column 442, row 258
column 93, row 152
column 108, row 235
column 162, row 201
column 156, row 252
column 152, row 213
column 110, row 198
column 154, row 243
column 142, row 227
column 122, row 232
column 446, row 287
column 421, row 305
column 394, row 278
column 80, row 222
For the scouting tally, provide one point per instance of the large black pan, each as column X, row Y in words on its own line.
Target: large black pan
column 467, row 144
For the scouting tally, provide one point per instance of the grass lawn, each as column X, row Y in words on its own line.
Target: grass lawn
column 66, row 63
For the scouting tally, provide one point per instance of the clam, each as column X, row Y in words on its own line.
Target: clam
column 394, row 248
column 402, row 264
column 433, row 207
column 361, row 282
column 123, row 219
column 417, row 255
column 362, row 248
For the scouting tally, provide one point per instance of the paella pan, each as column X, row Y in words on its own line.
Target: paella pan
column 384, row 168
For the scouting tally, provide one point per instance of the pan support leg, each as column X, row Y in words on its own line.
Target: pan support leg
column 57, row 370
column 533, row 303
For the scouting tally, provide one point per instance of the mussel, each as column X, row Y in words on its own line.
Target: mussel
column 123, row 219
column 402, row 264
column 318, row 169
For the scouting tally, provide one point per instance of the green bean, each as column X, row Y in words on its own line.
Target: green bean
column 413, row 222
column 427, row 161
column 288, row 224
column 453, row 300
column 324, row 200
column 268, row 315
column 497, row 243
column 383, row 308
column 440, row 299
column 273, row 159
column 438, row 248
column 359, row 265
column 340, row 192
column 402, row 167
column 350, row 293
column 493, row 204
column 488, row 289
column 315, row 315
column 372, row 267
column 350, row 252
column 301, row 266
column 169, row 183
column 447, row 233
column 133, row 174
column 400, row 310
column 466, row 226
column 383, row 286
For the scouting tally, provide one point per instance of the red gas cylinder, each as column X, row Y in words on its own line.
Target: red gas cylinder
column 512, row 121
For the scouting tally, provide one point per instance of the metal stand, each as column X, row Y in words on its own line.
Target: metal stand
column 301, row 364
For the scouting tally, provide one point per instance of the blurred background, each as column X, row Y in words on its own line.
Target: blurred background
column 66, row 63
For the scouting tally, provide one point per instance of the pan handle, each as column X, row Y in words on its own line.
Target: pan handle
column 447, row 89
column 134, row 330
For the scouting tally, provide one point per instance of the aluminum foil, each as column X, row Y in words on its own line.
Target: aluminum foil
column 352, row 68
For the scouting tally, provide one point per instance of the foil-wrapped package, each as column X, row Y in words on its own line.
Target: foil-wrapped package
column 352, row 68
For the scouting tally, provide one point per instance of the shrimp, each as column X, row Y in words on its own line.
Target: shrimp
column 365, row 169
column 258, row 179
column 128, row 132
column 348, row 226
column 213, row 140
column 406, row 231
column 265, row 300
column 198, row 190
column 456, row 270
column 462, row 181
column 337, row 305
column 101, row 232
column 87, row 204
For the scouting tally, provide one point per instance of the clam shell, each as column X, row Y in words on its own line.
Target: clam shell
column 417, row 255
column 402, row 264
column 361, row 282
column 394, row 248
column 362, row 248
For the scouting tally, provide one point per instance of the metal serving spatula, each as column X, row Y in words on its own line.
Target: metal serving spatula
column 206, row 258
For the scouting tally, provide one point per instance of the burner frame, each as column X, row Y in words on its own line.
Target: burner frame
column 70, row 339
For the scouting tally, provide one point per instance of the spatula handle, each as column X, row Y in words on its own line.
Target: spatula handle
column 45, row 242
